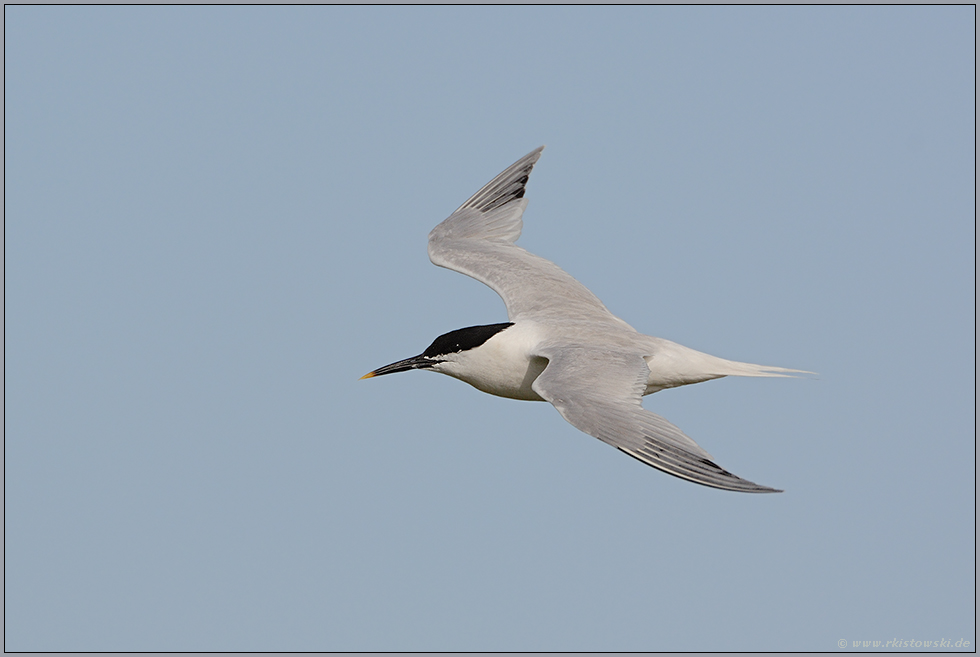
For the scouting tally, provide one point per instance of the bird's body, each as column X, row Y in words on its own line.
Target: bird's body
column 562, row 345
column 507, row 364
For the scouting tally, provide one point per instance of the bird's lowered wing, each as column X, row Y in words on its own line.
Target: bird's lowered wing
column 599, row 392
column 478, row 240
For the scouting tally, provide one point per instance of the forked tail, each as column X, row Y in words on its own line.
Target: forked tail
column 674, row 365
column 735, row 368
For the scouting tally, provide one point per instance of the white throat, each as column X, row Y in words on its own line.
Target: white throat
column 502, row 366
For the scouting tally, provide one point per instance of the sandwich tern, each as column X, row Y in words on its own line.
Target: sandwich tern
column 562, row 345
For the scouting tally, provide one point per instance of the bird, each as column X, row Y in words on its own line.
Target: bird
column 562, row 345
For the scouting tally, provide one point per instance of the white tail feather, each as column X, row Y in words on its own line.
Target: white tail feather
column 673, row 365
column 735, row 368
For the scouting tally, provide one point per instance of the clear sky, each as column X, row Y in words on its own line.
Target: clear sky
column 216, row 221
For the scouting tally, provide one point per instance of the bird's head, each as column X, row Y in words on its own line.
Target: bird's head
column 447, row 349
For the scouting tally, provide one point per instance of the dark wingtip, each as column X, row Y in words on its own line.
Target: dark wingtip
column 507, row 186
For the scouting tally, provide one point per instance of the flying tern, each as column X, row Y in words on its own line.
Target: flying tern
column 562, row 345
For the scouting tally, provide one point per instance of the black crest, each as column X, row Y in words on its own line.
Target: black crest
column 463, row 339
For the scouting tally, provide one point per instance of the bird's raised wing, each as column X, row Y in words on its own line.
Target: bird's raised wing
column 478, row 240
column 599, row 392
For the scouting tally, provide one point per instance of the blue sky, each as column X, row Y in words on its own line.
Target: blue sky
column 216, row 220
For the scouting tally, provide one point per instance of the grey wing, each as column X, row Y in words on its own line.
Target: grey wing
column 600, row 392
column 478, row 240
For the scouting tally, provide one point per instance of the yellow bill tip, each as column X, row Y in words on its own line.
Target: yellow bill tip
column 366, row 376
